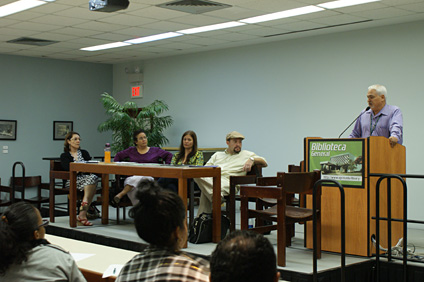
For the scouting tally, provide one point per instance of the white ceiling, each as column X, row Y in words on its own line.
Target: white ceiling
column 72, row 24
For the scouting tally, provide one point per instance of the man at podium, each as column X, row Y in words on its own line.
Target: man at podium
column 379, row 119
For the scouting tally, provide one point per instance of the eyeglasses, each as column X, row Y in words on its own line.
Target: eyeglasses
column 76, row 139
column 44, row 224
column 142, row 138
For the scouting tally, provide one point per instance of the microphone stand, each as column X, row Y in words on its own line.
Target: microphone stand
column 354, row 121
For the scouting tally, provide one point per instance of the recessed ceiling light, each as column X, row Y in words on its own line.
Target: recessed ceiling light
column 105, row 46
column 210, row 27
column 283, row 14
column 19, row 6
column 153, row 38
column 344, row 3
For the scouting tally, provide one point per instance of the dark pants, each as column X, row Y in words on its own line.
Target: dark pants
column 172, row 184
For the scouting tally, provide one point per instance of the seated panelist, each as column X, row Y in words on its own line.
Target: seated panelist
column 233, row 161
column 86, row 182
column 140, row 153
column 187, row 155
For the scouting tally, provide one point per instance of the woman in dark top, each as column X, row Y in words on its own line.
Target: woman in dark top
column 160, row 220
column 85, row 182
column 140, row 153
column 24, row 253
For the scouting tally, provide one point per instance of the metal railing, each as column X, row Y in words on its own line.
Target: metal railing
column 343, row 231
column 389, row 219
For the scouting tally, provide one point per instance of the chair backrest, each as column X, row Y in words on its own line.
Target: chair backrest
column 26, row 182
column 298, row 182
column 55, row 165
column 57, row 172
column 256, row 170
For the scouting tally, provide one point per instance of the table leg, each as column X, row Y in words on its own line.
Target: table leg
column 105, row 198
column 51, row 200
column 182, row 191
column 216, row 209
column 73, row 199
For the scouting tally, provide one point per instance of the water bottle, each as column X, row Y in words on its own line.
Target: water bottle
column 107, row 153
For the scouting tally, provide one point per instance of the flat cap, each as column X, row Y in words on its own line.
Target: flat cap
column 234, row 134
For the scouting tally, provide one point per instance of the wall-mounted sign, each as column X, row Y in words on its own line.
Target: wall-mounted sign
column 137, row 91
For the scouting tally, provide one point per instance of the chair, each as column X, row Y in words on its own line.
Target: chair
column 6, row 190
column 125, row 201
column 230, row 200
column 287, row 183
column 20, row 184
column 57, row 188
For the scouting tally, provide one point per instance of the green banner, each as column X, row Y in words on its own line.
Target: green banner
column 338, row 159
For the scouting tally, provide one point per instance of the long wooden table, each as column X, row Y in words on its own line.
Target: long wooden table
column 103, row 256
column 181, row 172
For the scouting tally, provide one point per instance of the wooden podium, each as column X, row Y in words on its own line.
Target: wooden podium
column 378, row 157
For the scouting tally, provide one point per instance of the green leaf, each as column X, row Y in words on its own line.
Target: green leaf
column 124, row 119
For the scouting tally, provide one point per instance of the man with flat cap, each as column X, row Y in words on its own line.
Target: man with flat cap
column 233, row 162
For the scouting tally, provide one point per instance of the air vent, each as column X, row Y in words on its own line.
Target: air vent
column 32, row 41
column 194, row 6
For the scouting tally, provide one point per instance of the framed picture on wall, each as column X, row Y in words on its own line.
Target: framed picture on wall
column 61, row 128
column 8, row 129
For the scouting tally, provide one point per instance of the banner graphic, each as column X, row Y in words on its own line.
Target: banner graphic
column 338, row 159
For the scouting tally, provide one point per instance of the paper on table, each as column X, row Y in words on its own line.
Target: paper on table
column 112, row 270
column 80, row 256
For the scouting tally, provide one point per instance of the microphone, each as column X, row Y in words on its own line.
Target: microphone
column 367, row 108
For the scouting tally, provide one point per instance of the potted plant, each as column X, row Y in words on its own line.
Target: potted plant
column 125, row 119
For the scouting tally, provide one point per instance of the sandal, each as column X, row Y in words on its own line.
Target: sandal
column 84, row 221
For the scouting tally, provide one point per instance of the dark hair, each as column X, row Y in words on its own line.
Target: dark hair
column 17, row 226
column 181, row 153
column 243, row 256
column 69, row 137
column 136, row 133
column 158, row 214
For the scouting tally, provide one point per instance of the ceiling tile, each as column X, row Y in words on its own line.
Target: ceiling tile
column 76, row 31
column 383, row 13
column 127, row 20
column 339, row 19
column 35, row 26
column 57, row 20
column 417, row 7
column 75, row 26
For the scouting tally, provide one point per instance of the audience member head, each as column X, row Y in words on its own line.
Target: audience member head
column 72, row 136
column 139, row 137
column 234, row 142
column 21, row 226
column 160, row 216
column 188, row 142
column 244, row 256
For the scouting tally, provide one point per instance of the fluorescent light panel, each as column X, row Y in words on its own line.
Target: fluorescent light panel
column 283, row 14
column 344, row 3
column 19, row 6
column 153, row 38
column 210, row 27
column 105, row 46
